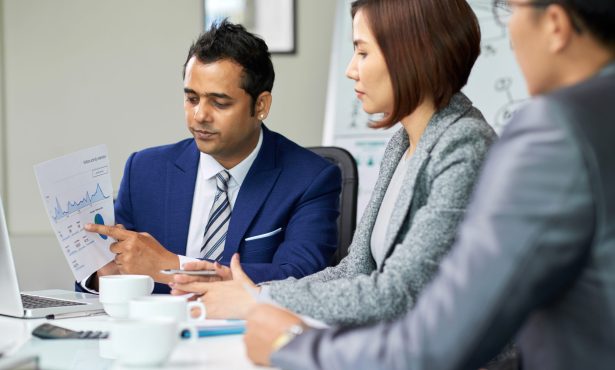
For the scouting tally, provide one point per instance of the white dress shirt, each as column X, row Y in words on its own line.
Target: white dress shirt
column 204, row 194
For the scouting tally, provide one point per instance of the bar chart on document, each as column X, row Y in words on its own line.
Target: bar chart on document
column 77, row 190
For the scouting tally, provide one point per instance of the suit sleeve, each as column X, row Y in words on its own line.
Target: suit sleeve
column 387, row 293
column 310, row 234
column 523, row 244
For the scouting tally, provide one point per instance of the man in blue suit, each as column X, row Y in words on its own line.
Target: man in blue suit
column 236, row 187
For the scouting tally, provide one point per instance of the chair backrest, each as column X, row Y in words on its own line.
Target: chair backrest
column 347, row 221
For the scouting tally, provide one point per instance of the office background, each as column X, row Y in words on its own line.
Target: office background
column 76, row 73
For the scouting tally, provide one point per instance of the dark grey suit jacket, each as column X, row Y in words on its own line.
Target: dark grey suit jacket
column 535, row 256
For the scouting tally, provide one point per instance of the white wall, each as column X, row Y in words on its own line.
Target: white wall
column 85, row 72
column 300, row 89
column 2, row 126
column 81, row 73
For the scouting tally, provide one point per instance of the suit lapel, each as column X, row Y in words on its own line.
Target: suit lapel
column 438, row 124
column 180, row 182
column 254, row 190
column 395, row 149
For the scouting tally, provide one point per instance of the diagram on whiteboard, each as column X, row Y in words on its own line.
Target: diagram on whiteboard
column 496, row 85
column 493, row 35
column 506, row 112
column 77, row 190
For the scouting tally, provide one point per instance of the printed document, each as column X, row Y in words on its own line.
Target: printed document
column 77, row 190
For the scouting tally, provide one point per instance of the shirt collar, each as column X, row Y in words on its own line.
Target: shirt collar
column 209, row 167
column 609, row 69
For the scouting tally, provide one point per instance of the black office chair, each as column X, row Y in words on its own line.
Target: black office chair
column 347, row 221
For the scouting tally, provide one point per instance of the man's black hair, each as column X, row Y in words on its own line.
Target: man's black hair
column 597, row 16
column 225, row 40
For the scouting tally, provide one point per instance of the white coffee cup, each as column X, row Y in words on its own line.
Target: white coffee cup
column 168, row 306
column 177, row 308
column 147, row 342
column 116, row 291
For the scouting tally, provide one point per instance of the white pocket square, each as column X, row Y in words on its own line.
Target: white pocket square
column 265, row 235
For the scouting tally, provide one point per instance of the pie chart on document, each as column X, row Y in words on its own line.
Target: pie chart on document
column 98, row 219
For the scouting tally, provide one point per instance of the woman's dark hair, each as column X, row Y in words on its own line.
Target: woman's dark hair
column 225, row 40
column 429, row 47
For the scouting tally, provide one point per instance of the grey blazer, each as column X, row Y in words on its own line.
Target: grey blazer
column 536, row 256
column 436, row 190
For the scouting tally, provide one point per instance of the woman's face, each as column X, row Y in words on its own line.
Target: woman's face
column 368, row 69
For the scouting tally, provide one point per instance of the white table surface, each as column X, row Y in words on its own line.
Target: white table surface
column 220, row 352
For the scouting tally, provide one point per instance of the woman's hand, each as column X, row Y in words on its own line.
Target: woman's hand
column 230, row 299
column 222, row 272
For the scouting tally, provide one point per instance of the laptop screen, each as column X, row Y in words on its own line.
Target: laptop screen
column 10, row 304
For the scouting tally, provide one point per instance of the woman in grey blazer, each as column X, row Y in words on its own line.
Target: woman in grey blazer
column 425, row 179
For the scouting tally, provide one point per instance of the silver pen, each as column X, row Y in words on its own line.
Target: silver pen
column 70, row 315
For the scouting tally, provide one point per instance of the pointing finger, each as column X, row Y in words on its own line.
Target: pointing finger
column 112, row 231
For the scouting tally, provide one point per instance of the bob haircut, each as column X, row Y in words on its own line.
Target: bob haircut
column 429, row 47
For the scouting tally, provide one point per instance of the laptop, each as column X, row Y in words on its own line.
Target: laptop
column 52, row 303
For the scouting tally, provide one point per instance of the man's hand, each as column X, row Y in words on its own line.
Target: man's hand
column 110, row 268
column 228, row 299
column 137, row 253
column 265, row 324
column 222, row 273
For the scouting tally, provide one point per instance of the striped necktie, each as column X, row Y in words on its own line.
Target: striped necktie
column 219, row 216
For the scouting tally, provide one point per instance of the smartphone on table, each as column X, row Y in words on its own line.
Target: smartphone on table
column 190, row 272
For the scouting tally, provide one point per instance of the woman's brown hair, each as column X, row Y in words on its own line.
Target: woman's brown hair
column 429, row 46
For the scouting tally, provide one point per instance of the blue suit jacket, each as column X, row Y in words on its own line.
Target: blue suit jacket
column 287, row 187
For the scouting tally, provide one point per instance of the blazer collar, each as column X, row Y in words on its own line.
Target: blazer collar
column 178, row 193
column 188, row 160
column 438, row 124
column 442, row 119
column 255, row 189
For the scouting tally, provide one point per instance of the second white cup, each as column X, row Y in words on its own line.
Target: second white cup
column 167, row 306
column 177, row 308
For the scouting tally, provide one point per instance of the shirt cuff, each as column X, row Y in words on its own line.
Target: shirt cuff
column 264, row 295
column 314, row 323
column 85, row 282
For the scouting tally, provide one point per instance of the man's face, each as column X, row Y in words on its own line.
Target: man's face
column 218, row 111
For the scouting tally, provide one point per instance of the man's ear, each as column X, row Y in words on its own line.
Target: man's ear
column 560, row 27
column 263, row 104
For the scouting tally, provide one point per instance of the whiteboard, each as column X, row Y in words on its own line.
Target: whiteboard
column 496, row 87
